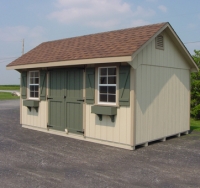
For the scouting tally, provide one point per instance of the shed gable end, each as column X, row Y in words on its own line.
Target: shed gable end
column 169, row 56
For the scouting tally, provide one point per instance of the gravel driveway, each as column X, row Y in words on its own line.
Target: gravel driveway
column 35, row 159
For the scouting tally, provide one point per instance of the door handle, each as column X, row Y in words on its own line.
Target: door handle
column 82, row 100
column 49, row 98
column 65, row 97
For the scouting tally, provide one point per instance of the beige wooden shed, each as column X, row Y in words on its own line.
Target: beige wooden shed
column 120, row 88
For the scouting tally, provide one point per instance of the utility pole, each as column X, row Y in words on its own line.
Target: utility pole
column 22, row 46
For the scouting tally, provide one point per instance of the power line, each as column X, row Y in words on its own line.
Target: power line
column 8, row 58
column 192, row 42
column 4, row 62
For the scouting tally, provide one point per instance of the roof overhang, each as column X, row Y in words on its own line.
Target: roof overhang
column 73, row 62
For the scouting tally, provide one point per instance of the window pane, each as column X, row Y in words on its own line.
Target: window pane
column 103, row 71
column 36, row 80
column 103, row 98
column 36, row 88
column 36, row 74
column 31, row 88
column 36, row 94
column 31, row 81
column 32, row 74
column 103, row 89
column 112, row 71
column 111, row 98
column 111, row 89
column 31, row 94
column 112, row 80
column 103, row 80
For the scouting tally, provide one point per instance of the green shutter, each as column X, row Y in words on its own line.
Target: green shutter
column 43, row 83
column 90, row 85
column 124, row 86
column 24, row 85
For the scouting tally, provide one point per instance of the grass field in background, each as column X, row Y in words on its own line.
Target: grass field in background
column 9, row 87
column 194, row 124
column 7, row 96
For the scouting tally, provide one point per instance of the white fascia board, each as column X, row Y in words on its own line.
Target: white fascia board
column 73, row 62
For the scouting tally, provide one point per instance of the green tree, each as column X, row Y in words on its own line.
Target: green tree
column 195, row 88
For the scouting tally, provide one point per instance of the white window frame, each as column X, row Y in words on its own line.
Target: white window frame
column 98, row 86
column 29, row 85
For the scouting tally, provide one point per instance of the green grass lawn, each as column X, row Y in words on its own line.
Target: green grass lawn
column 7, row 96
column 194, row 124
column 9, row 87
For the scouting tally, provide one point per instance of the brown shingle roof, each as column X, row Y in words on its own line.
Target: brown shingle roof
column 108, row 44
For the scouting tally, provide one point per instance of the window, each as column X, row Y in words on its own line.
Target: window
column 34, row 84
column 107, row 85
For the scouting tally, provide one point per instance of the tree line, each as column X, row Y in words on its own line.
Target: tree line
column 195, row 88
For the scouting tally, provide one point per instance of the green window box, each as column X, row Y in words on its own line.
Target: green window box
column 31, row 104
column 104, row 110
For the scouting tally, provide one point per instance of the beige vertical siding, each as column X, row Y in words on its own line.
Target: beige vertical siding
column 33, row 118
column 162, row 92
column 118, row 131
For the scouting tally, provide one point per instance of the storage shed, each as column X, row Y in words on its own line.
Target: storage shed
column 120, row 88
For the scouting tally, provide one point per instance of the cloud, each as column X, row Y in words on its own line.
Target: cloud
column 105, row 13
column 153, row 1
column 141, row 12
column 139, row 22
column 192, row 46
column 12, row 34
column 192, row 26
column 162, row 8
column 103, row 24
column 17, row 33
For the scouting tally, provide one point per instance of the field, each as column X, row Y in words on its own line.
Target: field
column 194, row 124
column 7, row 96
column 9, row 87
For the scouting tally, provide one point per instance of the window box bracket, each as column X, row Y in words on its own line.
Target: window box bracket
column 104, row 110
column 31, row 104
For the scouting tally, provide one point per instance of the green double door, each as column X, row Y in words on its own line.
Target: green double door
column 65, row 99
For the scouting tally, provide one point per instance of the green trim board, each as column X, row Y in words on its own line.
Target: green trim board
column 104, row 110
column 124, row 85
column 31, row 104
column 90, row 85
column 43, row 84
column 24, row 85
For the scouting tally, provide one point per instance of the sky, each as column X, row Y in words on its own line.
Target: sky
column 40, row 21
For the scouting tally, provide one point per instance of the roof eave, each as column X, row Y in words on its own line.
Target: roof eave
column 72, row 62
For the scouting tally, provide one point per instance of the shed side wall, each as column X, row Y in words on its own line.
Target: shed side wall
column 162, row 92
